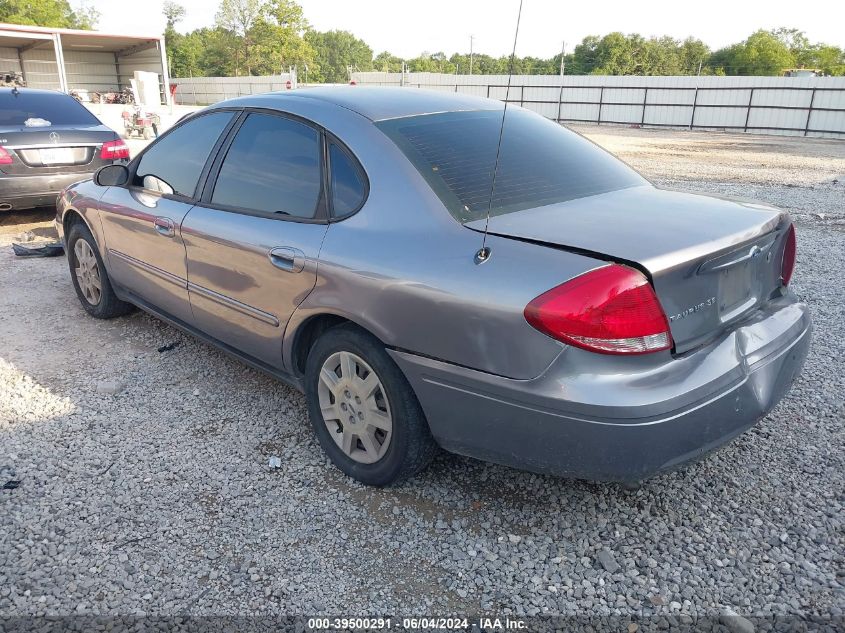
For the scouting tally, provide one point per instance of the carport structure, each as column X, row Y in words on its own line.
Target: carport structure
column 64, row 59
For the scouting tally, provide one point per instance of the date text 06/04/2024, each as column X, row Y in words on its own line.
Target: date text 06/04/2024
column 416, row 623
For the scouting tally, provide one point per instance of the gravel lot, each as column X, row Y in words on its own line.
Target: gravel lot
column 145, row 486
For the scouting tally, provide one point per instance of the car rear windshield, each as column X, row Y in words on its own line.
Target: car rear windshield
column 540, row 162
column 16, row 108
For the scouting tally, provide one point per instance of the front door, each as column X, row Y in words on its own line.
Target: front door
column 142, row 221
column 253, row 241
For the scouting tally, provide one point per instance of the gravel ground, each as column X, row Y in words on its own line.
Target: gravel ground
column 145, row 487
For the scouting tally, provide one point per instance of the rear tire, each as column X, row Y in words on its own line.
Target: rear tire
column 383, row 437
column 89, row 276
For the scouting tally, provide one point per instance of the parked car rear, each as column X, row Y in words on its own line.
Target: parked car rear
column 48, row 140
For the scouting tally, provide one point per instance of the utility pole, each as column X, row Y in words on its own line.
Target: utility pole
column 562, row 58
column 699, row 67
column 471, row 38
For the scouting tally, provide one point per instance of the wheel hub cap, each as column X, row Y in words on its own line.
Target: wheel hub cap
column 354, row 406
column 87, row 272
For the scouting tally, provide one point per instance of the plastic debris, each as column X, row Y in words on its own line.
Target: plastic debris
column 275, row 462
column 53, row 249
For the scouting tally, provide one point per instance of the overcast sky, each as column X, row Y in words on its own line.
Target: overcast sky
column 409, row 27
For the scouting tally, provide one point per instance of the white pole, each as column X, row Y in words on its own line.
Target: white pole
column 471, row 38
column 562, row 58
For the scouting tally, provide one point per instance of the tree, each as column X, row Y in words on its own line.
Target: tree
column 55, row 13
column 336, row 52
column 828, row 59
column 763, row 53
column 388, row 63
column 173, row 13
column 693, row 54
column 238, row 17
column 584, row 59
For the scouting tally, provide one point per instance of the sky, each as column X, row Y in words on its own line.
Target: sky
column 409, row 27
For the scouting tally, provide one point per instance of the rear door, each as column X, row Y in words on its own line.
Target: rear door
column 142, row 222
column 252, row 241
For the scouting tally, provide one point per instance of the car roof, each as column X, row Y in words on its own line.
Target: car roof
column 37, row 91
column 380, row 103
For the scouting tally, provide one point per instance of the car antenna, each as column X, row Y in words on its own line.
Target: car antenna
column 483, row 253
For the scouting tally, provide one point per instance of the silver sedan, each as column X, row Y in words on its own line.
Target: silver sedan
column 432, row 274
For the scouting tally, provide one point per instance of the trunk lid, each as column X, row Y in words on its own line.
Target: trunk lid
column 711, row 260
column 54, row 149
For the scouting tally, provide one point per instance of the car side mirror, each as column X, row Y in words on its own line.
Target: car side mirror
column 112, row 176
column 154, row 183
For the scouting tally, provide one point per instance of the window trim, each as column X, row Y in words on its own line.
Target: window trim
column 331, row 139
column 178, row 197
column 321, row 208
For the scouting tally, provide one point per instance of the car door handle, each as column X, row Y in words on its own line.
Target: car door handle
column 164, row 226
column 291, row 260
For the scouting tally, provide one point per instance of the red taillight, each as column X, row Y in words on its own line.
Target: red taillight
column 611, row 310
column 5, row 157
column 788, row 263
column 114, row 150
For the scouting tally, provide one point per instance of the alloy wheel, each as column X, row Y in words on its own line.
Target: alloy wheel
column 354, row 407
column 87, row 272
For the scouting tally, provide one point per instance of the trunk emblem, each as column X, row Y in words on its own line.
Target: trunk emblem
column 54, row 136
column 709, row 303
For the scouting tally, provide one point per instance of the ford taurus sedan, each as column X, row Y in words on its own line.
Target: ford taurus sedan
column 565, row 316
column 48, row 140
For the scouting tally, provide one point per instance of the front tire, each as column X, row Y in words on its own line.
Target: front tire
column 364, row 413
column 89, row 276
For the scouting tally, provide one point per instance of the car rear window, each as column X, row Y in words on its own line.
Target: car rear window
column 57, row 108
column 540, row 162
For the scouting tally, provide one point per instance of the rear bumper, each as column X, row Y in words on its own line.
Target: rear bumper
column 617, row 418
column 27, row 192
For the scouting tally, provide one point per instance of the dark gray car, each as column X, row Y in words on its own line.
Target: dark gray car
column 332, row 238
column 48, row 141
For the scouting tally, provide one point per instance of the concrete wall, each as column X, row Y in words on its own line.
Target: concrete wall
column 768, row 105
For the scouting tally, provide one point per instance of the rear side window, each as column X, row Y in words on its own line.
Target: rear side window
column 348, row 187
column 540, row 162
column 22, row 109
column 177, row 159
column 272, row 166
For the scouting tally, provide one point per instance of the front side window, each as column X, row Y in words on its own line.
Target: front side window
column 540, row 162
column 348, row 188
column 272, row 166
column 173, row 164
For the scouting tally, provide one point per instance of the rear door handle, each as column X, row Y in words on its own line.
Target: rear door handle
column 164, row 226
column 291, row 260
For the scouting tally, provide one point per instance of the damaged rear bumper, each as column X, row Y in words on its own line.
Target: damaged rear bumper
column 617, row 418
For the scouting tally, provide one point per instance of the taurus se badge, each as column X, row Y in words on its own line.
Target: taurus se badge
column 693, row 309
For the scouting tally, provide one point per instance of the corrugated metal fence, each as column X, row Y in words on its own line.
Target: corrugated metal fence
column 808, row 106
column 208, row 90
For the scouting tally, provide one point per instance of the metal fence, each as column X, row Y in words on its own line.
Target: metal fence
column 208, row 90
column 812, row 106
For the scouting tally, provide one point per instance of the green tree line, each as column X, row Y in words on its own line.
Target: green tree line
column 266, row 37
column 261, row 37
